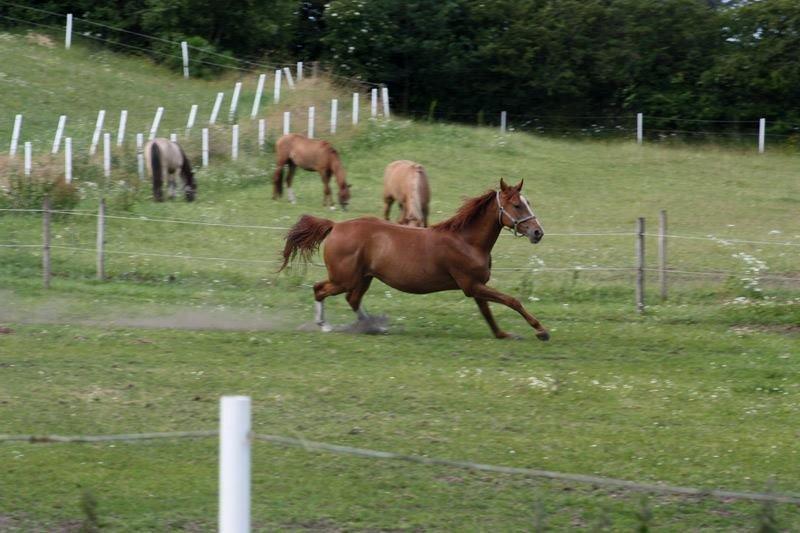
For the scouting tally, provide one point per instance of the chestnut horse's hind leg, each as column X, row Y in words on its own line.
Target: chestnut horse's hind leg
column 322, row 290
column 355, row 295
column 481, row 292
column 388, row 200
column 289, row 179
column 277, row 179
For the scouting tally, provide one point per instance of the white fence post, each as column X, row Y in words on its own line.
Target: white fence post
column 27, row 163
column 299, row 71
column 62, row 121
column 205, row 147
column 289, row 80
column 215, row 110
column 334, row 113
column 234, row 464
column 140, row 155
column 107, row 155
column 101, row 239
column 185, row 54
column 173, row 137
column 503, row 122
column 286, row 118
column 12, row 151
column 373, row 104
column 190, row 120
column 262, row 132
column 257, row 99
column 68, row 159
column 68, row 33
column 311, row 113
column 235, row 100
column 276, row 96
column 640, row 265
column 639, row 128
column 156, row 122
column 123, row 119
column 385, row 99
column 101, row 115
column 235, row 142
column 762, row 128
column 355, row 108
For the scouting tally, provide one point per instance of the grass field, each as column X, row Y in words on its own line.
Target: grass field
column 703, row 390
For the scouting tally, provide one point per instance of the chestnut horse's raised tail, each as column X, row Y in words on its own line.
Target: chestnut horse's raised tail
column 305, row 238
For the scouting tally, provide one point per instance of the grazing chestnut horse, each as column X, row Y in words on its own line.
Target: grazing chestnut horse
column 406, row 182
column 454, row 254
column 295, row 151
column 165, row 158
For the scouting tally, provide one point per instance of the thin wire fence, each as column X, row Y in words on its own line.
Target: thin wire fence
column 314, row 446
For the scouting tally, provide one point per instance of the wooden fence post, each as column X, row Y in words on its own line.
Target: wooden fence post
column 101, row 239
column 62, row 120
column 640, row 265
column 662, row 254
column 46, row 242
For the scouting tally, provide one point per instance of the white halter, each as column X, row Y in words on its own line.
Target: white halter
column 515, row 221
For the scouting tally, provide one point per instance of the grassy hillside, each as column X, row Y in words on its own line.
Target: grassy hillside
column 702, row 390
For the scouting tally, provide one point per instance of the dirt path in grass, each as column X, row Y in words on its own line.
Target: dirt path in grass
column 16, row 310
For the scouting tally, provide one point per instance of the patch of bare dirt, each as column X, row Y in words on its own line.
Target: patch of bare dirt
column 748, row 329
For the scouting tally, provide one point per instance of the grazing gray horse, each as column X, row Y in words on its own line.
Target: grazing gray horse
column 164, row 157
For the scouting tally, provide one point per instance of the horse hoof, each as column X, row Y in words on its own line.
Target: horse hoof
column 325, row 327
column 543, row 336
column 332, row 208
column 506, row 335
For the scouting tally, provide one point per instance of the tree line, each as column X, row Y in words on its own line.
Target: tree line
column 704, row 59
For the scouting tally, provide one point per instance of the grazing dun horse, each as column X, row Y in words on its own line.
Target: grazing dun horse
column 407, row 183
column 165, row 158
column 295, row 151
column 454, row 254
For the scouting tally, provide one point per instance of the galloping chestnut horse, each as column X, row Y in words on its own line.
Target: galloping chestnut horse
column 295, row 151
column 407, row 182
column 454, row 254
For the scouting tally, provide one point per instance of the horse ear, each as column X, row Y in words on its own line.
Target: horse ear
column 503, row 185
column 518, row 186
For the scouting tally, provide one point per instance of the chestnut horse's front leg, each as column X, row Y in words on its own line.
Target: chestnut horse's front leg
column 481, row 292
column 483, row 305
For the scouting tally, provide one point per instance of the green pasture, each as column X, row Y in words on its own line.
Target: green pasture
column 702, row 390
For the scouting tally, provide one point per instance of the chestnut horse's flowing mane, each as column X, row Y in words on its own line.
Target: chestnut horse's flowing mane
column 467, row 213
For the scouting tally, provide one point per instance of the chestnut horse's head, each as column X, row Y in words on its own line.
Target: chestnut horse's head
column 344, row 195
column 515, row 212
